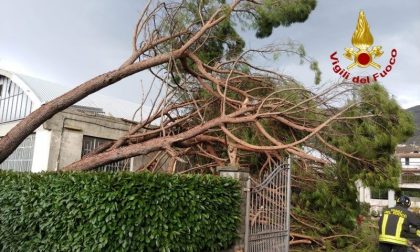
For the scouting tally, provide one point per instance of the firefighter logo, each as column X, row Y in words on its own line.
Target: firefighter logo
column 362, row 40
column 363, row 55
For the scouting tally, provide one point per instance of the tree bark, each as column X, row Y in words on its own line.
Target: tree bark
column 28, row 125
column 156, row 144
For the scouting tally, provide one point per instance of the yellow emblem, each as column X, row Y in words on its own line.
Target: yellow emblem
column 362, row 39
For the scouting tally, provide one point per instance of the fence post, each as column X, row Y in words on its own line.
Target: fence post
column 242, row 176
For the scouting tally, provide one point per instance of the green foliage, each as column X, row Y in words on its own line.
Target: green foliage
column 273, row 13
column 331, row 199
column 315, row 68
column 364, row 237
column 373, row 138
column 222, row 41
column 117, row 212
column 365, row 209
column 371, row 132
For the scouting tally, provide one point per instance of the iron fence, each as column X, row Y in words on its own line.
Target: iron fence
column 268, row 210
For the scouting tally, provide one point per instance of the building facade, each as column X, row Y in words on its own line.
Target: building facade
column 68, row 135
column 409, row 182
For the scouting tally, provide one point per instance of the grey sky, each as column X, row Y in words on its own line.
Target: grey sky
column 69, row 42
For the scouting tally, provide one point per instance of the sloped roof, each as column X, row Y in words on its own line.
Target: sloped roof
column 46, row 91
column 409, row 155
column 406, row 149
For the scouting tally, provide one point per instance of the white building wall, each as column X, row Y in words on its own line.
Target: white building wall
column 391, row 198
column 415, row 202
column 41, row 150
column 413, row 163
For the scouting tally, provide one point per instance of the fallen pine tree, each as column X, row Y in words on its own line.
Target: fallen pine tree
column 220, row 108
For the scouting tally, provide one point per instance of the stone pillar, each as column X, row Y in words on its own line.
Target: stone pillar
column 391, row 198
column 242, row 176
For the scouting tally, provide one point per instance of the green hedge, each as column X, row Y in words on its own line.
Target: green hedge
column 117, row 212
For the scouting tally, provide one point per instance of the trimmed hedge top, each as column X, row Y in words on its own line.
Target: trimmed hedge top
column 117, row 212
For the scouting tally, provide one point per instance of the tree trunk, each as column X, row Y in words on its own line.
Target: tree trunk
column 28, row 125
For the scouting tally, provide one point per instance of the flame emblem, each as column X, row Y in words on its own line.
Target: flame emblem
column 362, row 40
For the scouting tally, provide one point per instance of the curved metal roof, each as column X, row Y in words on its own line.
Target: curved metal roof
column 45, row 91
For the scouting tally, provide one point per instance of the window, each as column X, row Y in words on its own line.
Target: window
column 21, row 158
column 378, row 193
column 407, row 161
column 410, row 178
column 14, row 103
column 91, row 143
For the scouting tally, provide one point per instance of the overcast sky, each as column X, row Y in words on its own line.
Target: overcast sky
column 69, row 42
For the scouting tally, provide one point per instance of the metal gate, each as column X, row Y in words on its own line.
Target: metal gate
column 268, row 210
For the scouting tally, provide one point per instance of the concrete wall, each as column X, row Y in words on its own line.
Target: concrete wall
column 68, row 128
column 70, row 147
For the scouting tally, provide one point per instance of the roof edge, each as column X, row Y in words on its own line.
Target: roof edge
column 14, row 77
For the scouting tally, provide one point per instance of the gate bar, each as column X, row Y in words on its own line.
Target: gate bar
column 248, row 203
column 289, row 189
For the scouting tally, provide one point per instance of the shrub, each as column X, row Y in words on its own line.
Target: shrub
column 117, row 212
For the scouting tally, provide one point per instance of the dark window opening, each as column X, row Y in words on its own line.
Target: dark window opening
column 378, row 193
column 91, row 143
